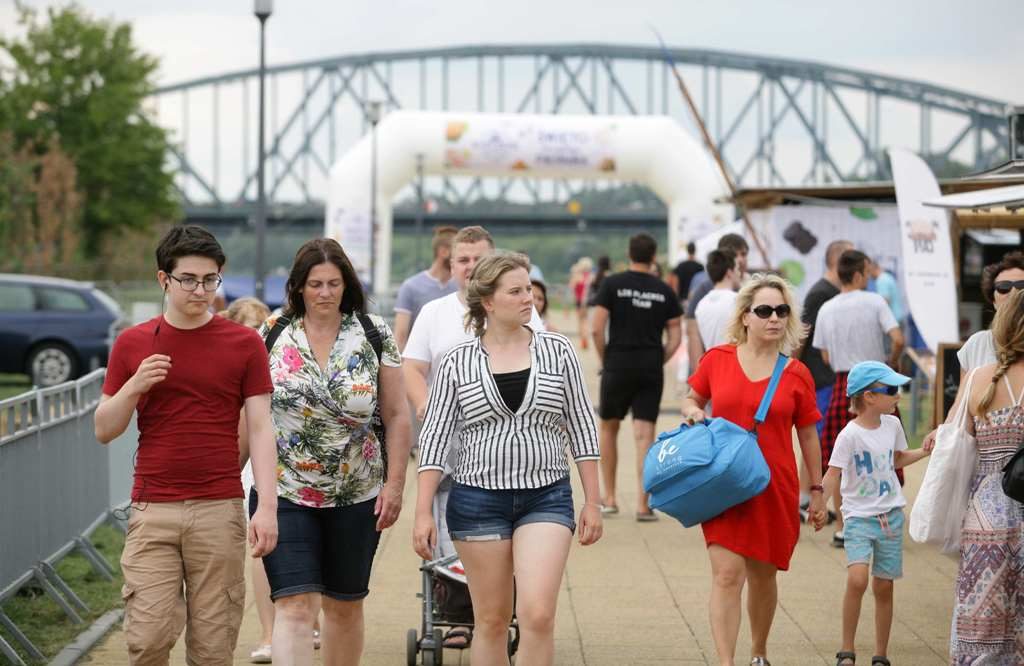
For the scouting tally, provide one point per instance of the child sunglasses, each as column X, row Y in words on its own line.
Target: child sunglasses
column 1006, row 286
column 765, row 311
column 888, row 390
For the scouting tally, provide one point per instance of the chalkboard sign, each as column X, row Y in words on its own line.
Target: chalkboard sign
column 947, row 379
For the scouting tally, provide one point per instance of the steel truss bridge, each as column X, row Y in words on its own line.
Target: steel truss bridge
column 776, row 121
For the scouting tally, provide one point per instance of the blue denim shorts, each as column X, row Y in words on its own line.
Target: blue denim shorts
column 327, row 550
column 878, row 540
column 478, row 514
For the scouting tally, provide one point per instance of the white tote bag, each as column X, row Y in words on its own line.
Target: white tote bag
column 938, row 512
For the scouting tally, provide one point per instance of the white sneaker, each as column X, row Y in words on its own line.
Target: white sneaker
column 261, row 655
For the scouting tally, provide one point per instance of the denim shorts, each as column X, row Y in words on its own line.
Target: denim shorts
column 478, row 514
column 326, row 550
column 878, row 540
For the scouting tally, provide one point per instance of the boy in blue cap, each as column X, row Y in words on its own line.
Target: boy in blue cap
column 864, row 461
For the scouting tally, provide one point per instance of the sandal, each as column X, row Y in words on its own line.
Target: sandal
column 609, row 509
column 844, row 658
column 760, row 661
column 879, row 661
column 646, row 517
column 457, row 639
column 261, row 655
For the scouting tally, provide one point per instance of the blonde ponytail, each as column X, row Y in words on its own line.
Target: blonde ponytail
column 1008, row 338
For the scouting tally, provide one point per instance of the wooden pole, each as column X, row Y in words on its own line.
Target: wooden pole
column 710, row 145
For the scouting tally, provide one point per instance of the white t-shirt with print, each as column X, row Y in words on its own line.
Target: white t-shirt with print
column 713, row 314
column 852, row 327
column 439, row 327
column 866, row 458
column 977, row 351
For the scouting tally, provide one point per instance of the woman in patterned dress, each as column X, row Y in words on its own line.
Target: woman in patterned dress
column 332, row 500
column 988, row 616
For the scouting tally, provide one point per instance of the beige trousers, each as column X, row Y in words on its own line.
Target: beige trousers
column 184, row 567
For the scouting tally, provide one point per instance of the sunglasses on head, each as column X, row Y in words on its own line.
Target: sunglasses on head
column 1006, row 286
column 888, row 390
column 765, row 311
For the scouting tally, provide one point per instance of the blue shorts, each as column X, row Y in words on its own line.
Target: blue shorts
column 327, row 550
column 478, row 514
column 878, row 540
column 823, row 396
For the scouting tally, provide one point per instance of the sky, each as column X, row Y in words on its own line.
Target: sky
column 948, row 42
column 951, row 43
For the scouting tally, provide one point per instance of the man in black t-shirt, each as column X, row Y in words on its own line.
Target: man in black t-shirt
column 638, row 309
column 684, row 271
column 820, row 292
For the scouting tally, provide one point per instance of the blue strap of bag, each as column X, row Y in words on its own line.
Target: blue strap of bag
column 769, row 393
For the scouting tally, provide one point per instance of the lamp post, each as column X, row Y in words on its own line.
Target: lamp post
column 373, row 110
column 262, row 9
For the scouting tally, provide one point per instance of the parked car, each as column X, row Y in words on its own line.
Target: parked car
column 54, row 330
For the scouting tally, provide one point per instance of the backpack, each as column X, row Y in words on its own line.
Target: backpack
column 373, row 336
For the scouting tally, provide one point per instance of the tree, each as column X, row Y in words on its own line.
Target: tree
column 82, row 82
column 40, row 208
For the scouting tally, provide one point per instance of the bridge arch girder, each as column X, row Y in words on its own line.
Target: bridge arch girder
column 776, row 121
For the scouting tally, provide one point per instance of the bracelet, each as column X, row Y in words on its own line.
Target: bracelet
column 817, row 487
column 597, row 504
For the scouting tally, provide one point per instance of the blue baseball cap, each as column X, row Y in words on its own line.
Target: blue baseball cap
column 866, row 373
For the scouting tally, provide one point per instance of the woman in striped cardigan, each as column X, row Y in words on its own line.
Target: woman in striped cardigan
column 519, row 400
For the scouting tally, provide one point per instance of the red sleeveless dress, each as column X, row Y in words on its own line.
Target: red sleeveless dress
column 765, row 527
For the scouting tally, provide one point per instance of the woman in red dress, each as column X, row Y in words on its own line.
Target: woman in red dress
column 752, row 541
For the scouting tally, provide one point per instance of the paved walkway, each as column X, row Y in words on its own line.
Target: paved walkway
column 640, row 595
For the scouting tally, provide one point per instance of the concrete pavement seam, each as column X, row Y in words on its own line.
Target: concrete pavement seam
column 575, row 619
column 675, row 602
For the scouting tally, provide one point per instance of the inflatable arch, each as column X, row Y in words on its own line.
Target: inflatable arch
column 652, row 150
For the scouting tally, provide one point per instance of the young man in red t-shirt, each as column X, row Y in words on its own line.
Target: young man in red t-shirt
column 187, row 374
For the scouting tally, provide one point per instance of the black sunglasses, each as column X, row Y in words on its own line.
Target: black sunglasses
column 765, row 311
column 1006, row 286
column 888, row 390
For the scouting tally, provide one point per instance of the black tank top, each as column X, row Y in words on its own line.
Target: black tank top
column 512, row 387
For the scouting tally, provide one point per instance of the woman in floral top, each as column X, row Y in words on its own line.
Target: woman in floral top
column 332, row 498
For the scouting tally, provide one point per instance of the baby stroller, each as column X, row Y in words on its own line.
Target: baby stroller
column 445, row 598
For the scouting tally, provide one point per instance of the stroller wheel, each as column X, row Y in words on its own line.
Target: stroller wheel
column 438, row 647
column 412, row 647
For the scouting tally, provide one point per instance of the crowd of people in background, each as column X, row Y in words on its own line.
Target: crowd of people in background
column 312, row 418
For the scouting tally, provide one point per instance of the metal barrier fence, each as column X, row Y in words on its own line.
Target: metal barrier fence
column 57, row 485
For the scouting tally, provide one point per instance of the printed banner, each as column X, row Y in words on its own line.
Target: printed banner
column 797, row 237
column 928, row 274
column 350, row 226
column 501, row 144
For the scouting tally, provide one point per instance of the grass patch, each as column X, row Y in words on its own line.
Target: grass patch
column 12, row 385
column 44, row 622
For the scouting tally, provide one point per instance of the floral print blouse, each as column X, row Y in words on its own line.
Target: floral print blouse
column 327, row 453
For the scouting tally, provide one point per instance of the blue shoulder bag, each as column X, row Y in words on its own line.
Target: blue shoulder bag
column 694, row 473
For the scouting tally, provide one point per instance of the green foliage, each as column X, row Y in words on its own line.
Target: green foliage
column 82, row 81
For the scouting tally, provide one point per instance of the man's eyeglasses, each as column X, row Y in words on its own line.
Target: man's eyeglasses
column 1006, row 286
column 210, row 283
column 765, row 311
column 888, row 390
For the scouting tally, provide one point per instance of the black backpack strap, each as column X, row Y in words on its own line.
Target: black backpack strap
column 372, row 334
column 274, row 333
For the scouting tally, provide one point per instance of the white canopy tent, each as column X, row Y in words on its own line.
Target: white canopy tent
column 652, row 150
